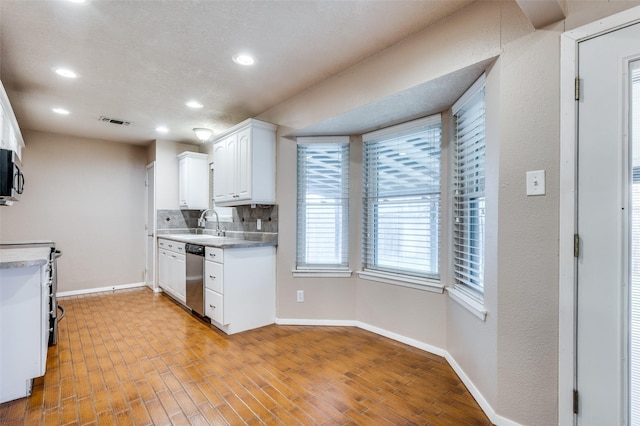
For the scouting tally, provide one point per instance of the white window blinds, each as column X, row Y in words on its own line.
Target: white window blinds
column 323, row 203
column 468, row 188
column 401, row 198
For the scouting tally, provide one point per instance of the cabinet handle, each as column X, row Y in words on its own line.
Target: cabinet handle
column 170, row 245
column 211, row 306
column 212, row 255
column 212, row 277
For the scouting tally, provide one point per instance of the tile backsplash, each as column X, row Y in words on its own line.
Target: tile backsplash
column 177, row 219
column 244, row 220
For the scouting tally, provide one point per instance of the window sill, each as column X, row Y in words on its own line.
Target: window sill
column 469, row 303
column 321, row 273
column 424, row 284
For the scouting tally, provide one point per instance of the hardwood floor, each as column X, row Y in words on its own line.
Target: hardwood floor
column 135, row 357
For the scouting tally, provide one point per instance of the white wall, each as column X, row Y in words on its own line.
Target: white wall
column 88, row 196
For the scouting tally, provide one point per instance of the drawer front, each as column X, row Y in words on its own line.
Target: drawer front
column 213, row 306
column 214, row 254
column 175, row 246
column 162, row 243
column 213, row 276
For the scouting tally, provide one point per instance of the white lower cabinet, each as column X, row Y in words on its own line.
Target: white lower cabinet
column 172, row 269
column 240, row 287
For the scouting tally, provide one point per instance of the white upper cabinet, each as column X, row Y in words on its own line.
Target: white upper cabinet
column 193, row 179
column 244, row 164
column 10, row 136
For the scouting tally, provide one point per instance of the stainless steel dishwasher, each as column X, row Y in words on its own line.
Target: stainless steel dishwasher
column 195, row 281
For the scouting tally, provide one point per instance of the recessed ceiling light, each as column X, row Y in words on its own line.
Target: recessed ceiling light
column 65, row 72
column 194, row 104
column 60, row 111
column 162, row 129
column 243, row 59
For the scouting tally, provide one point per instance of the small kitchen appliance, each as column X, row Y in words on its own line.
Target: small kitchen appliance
column 11, row 177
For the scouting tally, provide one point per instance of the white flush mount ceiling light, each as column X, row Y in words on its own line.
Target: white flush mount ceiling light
column 76, row 1
column 194, row 104
column 65, row 72
column 243, row 59
column 203, row 134
column 60, row 111
column 162, row 129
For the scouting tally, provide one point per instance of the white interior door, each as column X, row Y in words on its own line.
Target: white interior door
column 604, row 222
column 150, row 227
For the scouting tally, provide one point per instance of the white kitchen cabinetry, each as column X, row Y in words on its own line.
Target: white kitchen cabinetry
column 24, row 316
column 193, row 181
column 240, row 287
column 172, row 268
column 10, row 136
column 244, row 164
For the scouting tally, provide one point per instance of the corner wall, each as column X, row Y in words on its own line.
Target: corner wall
column 88, row 196
column 483, row 352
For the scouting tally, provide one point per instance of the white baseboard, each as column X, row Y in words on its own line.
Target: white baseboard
column 403, row 339
column 99, row 289
column 480, row 399
column 295, row 321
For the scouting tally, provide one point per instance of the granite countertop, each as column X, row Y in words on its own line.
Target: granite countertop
column 23, row 257
column 208, row 240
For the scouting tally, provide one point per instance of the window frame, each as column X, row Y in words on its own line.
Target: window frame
column 426, row 281
column 333, row 270
column 469, row 295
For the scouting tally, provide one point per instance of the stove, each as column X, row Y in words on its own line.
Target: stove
column 56, row 312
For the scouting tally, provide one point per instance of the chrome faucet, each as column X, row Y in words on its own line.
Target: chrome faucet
column 202, row 221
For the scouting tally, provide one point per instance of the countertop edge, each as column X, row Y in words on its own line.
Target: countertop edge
column 231, row 243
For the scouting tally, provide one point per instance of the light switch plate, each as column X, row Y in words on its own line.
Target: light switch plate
column 536, row 183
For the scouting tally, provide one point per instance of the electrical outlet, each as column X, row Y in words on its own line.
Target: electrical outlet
column 259, row 224
column 300, row 296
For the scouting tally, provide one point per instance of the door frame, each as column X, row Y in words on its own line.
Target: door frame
column 153, row 226
column 567, row 301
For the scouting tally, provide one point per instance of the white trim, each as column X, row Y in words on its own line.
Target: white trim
column 310, row 140
column 398, row 129
column 469, row 93
column 321, row 273
column 468, row 302
column 100, row 289
column 568, row 155
column 403, row 339
column 477, row 395
column 318, row 322
column 424, row 284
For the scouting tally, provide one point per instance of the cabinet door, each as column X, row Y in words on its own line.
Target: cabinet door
column 183, row 186
column 4, row 129
column 243, row 165
column 179, row 276
column 220, row 172
column 163, row 269
column 231, row 166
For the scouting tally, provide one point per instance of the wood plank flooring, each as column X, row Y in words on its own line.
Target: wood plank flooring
column 137, row 358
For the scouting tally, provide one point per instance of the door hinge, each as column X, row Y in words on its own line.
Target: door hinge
column 576, row 245
column 577, row 89
column 575, row 401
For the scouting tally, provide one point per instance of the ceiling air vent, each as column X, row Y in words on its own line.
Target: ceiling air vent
column 115, row 121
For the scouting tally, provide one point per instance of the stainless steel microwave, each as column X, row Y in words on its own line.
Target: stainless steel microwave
column 11, row 177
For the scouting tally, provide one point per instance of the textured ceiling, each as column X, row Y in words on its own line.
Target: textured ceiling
column 142, row 60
